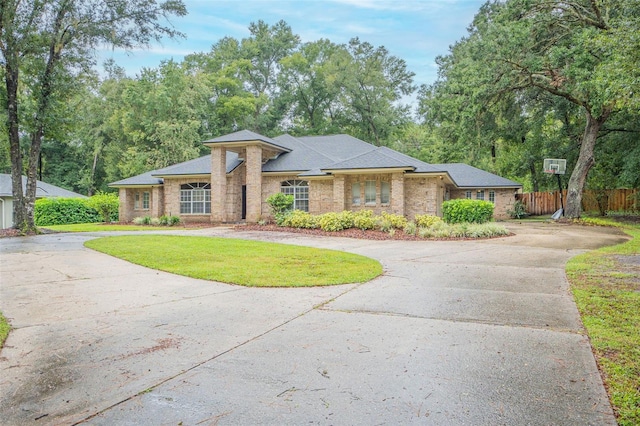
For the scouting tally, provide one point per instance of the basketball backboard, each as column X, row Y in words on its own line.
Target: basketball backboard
column 555, row 166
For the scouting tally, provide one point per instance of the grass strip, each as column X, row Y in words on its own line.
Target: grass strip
column 4, row 329
column 606, row 288
column 102, row 227
column 243, row 262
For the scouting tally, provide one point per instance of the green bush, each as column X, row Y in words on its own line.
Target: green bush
column 410, row 228
column 464, row 210
column 396, row 220
column 142, row 220
column 333, row 222
column 299, row 219
column 364, row 219
column 173, row 220
column 64, row 211
column 163, row 220
column 280, row 205
column 426, row 220
column 106, row 204
column 518, row 211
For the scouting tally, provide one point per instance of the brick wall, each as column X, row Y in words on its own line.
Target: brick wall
column 320, row 196
column 422, row 195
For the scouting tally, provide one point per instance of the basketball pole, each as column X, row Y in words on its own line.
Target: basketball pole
column 560, row 189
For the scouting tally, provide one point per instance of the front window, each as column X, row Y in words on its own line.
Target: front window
column 480, row 195
column 355, row 193
column 468, row 195
column 141, row 200
column 195, row 198
column 370, row 192
column 385, row 192
column 492, row 196
column 300, row 191
column 145, row 200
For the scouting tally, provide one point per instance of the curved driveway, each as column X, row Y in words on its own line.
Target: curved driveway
column 454, row 332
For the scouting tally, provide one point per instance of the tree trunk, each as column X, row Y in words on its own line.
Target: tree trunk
column 11, row 81
column 585, row 161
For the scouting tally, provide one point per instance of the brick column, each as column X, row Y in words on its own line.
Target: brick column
column 397, row 193
column 157, row 203
column 338, row 193
column 124, row 211
column 218, row 183
column 254, row 183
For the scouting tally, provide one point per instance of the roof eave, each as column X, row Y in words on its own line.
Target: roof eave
column 242, row 144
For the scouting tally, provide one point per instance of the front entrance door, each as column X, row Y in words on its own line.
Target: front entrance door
column 244, row 202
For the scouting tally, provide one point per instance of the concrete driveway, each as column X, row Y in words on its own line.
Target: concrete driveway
column 460, row 332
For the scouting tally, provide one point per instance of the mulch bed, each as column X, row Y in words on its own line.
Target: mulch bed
column 346, row 233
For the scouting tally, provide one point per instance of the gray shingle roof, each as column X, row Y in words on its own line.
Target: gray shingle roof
column 317, row 155
column 197, row 166
column 43, row 189
column 466, row 176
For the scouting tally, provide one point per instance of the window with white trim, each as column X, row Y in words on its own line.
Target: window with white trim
column 480, row 194
column 492, row 196
column 355, row 193
column 141, row 200
column 145, row 200
column 468, row 195
column 370, row 192
column 385, row 192
column 300, row 191
column 195, row 198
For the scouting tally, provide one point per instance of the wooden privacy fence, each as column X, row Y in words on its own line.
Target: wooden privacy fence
column 540, row 203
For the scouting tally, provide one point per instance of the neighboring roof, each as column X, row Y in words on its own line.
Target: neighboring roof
column 466, row 176
column 43, row 189
column 197, row 166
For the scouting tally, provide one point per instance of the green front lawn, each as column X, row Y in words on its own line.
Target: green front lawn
column 249, row 263
column 606, row 287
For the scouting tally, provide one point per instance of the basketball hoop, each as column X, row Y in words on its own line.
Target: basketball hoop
column 556, row 166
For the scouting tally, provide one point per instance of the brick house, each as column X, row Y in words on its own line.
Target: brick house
column 323, row 173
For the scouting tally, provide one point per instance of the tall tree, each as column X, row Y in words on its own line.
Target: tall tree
column 550, row 59
column 43, row 43
column 374, row 83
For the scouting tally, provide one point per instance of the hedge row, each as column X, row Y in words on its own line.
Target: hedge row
column 467, row 211
column 63, row 211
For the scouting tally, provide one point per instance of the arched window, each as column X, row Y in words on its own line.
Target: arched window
column 195, row 198
column 300, row 191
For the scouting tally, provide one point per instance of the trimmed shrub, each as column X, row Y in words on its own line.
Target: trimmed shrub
column 384, row 225
column 333, row 222
column 396, row 220
column 163, row 220
column 426, row 220
column 300, row 219
column 464, row 210
column 106, row 204
column 364, row 220
column 173, row 220
column 63, row 211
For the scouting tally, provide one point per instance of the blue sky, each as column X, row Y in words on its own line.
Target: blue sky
column 414, row 30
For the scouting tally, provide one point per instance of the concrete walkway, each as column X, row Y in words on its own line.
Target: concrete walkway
column 463, row 332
